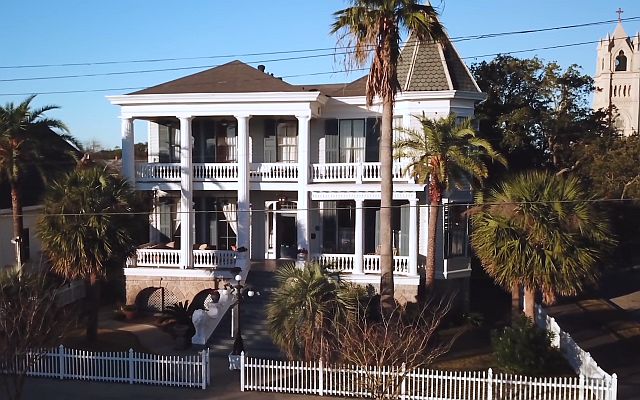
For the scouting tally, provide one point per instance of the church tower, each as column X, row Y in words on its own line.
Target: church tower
column 617, row 78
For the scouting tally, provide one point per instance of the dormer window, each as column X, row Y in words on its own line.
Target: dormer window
column 621, row 62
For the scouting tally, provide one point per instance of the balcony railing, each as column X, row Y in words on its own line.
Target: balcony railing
column 356, row 172
column 169, row 258
column 370, row 263
column 272, row 172
column 215, row 172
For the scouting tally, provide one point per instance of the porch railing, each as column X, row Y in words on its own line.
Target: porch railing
column 336, row 262
column 157, row 258
column 272, row 172
column 157, row 172
column 215, row 172
column 356, row 172
column 279, row 172
column 216, row 258
column 370, row 263
column 169, row 258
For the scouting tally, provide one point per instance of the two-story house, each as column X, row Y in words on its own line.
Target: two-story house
column 240, row 158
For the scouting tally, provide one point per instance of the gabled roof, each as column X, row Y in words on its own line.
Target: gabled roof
column 423, row 66
column 233, row 77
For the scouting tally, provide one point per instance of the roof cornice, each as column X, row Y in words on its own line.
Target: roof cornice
column 199, row 98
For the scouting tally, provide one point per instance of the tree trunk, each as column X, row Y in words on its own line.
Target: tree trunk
column 16, row 208
column 93, row 306
column 430, row 273
column 516, row 310
column 529, row 303
column 387, row 301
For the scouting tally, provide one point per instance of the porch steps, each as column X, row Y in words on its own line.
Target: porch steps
column 255, row 333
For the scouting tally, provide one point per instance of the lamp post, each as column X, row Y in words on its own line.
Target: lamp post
column 237, row 291
column 17, row 241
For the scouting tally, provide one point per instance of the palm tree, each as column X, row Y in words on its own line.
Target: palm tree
column 445, row 151
column 540, row 231
column 22, row 144
column 86, row 227
column 372, row 29
column 304, row 307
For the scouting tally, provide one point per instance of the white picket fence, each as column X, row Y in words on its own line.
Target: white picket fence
column 123, row 367
column 352, row 381
column 581, row 361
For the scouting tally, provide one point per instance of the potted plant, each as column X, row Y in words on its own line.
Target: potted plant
column 180, row 315
column 130, row 311
column 236, row 353
column 241, row 252
column 302, row 254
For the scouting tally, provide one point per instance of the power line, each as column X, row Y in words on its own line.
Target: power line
column 453, row 39
column 255, row 210
column 306, row 74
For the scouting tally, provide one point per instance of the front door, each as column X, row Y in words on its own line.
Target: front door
column 286, row 236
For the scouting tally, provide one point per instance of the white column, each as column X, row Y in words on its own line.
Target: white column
column 244, row 219
column 359, row 242
column 413, row 237
column 128, row 158
column 302, row 220
column 186, row 194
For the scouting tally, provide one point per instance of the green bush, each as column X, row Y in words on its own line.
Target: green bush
column 523, row 348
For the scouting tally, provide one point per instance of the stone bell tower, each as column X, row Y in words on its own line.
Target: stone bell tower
column 617, row 78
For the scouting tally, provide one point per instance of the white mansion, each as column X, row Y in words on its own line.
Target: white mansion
column 238, row 158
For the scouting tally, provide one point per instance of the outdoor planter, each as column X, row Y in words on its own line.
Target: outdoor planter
column 234, row 361
column 182, row 341
column 129, row 312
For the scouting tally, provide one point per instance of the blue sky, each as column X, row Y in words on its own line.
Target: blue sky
column 74, row 31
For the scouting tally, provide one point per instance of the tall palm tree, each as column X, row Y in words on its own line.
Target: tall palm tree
column 373, row 28
column 86, row 227
column 445, row 151
column 540, row 231
column 23, row 144
column 305, row 306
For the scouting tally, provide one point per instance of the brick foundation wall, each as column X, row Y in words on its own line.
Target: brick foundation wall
column 175, row 289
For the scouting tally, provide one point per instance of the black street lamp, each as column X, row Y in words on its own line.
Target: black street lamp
column 238, row 293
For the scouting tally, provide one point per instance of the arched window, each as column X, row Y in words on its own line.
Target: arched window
column 615, row 91
column 621, row 62
column 624, row 91
column 602, row 65
column 619, row 124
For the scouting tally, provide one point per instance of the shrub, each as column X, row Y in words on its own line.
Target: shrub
column 523, row 348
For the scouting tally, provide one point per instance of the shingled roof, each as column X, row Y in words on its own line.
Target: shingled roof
column 233, row 77
column 432, row 66
column 423, row 66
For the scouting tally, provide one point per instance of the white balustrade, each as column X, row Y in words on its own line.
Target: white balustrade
column 214, row 258
column 215, row 172
column 371, row 265
column 335, row 262
column 161, row 258
column 150, row 172
column 334, row 172
column 356, row 172
column 275, row 172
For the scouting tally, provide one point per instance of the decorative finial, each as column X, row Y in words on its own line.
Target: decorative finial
column 619, row 12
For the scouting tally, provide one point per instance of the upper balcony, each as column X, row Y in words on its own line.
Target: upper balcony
column 272, row 172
